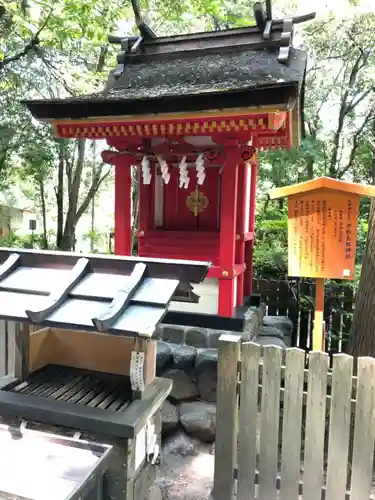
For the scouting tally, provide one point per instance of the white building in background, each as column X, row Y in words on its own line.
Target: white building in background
column 16, row 213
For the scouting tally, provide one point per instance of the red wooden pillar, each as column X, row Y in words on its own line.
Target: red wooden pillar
column 123, row 206
column 249, row 250
column 228, row 217
column 241, row 229
column 144, row 207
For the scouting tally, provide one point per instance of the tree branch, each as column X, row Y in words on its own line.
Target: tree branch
column 95, row 185
column 355, row 144
column 34, row 42
column 346, row 108
column 357, row 100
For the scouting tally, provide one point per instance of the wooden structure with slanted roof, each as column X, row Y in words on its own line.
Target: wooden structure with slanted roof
column 89, row 371
column 192, row 111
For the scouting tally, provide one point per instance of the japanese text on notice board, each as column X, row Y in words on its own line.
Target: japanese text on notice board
column 322, row 233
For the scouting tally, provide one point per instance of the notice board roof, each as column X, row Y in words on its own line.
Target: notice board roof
column 119, row 295
column 323, row 183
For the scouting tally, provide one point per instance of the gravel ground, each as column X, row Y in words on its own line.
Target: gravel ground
column 186, row 471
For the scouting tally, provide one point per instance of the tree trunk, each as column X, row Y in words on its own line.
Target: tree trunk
column 60, row 196
column 68, row 239
column 310, row 168
column 44, row 214
column 73, row 169
column 362, row 339
column 373, row 153
column 92, row 237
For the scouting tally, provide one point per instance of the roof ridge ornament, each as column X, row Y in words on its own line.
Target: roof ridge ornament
column 265, row 22
column 131, row 45
column 146, row 32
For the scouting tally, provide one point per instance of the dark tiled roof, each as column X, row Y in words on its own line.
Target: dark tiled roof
column 120, row 295
column 188, row 82
column 206, row 74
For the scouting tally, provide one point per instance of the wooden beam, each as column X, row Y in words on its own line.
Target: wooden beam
column 228, row 217
column 269, row 9
column 249, row 248
column 123, row 204
column 243, row 174
column 21, row 346
column 318, row 333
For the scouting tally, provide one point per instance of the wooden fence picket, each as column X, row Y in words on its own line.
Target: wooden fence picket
column 364, row 431
column 339, row 427
column 315, row 425
column 339, row 408
column 247, row 420
column 269, row 427
column 283, row 298
column 292, row 422
column 226, row 416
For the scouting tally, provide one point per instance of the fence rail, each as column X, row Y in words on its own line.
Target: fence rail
column 295, row 299
column 302, row 430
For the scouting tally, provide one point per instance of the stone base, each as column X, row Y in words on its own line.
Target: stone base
column 189, row 357
column 206, row 337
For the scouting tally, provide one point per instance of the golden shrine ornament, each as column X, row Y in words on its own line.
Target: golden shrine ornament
column 197, row 201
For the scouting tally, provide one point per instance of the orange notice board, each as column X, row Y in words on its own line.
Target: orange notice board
column 322, row 234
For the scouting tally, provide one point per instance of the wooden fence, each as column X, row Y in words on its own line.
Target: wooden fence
column 294, row 431
column 284, row 298
column 295, row 299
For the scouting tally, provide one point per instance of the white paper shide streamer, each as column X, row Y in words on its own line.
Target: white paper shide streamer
column 184, row 174
column 201, row 174
column 146, row 170
column 164, row 169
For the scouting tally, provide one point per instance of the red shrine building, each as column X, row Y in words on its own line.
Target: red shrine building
column 191, row 113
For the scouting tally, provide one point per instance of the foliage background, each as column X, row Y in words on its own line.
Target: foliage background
column 56, row 48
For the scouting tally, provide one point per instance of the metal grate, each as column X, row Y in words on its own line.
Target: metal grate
column 92, row 389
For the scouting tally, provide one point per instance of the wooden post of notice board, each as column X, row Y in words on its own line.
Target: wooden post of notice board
column 322, row 234
column 318, row 332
